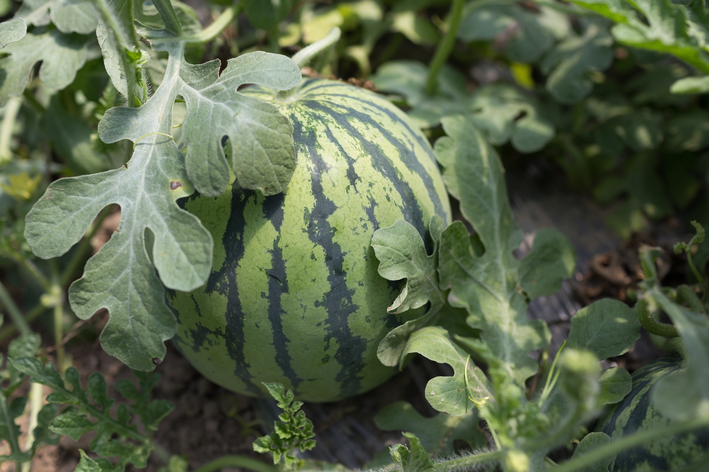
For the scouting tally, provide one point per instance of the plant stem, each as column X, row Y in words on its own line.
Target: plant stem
column 58, row 315
column 444, row 47
column 34, row 313
column 463, row 463
column 172, row 24
column 33, row 270
column 628, row 442
column 11, row 436
column 217, row 26
column 36, row 397
column 8, row 125
column 236, row 461
column 15, row 313
column 303, row 57
column 650, row 324
column 686, row 294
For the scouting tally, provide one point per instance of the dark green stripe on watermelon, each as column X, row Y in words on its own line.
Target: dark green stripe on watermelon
column 636, row 413
column 294, row 296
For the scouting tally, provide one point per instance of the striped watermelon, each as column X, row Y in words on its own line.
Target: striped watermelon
column 635, row 414
column 294, row 295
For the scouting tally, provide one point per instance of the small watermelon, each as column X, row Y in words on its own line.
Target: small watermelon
column 294, row 295
column 636, row 413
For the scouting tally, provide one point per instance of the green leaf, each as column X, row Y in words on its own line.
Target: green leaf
column 436, row 434
column 266, row 14
column 25, row 345
column 570, row 64
column 414, row 460
column 12, row 31
column 688, row 131
column 551, row 260
column 61, row 56
column 453, row 394
column 416, row 28
column 485, row 285
column 147, row 190
column 527, row 35
column 616, row 383
column 666, row 27
column 71, row 424
column 684, row 394
column 70, row 137
column 505, row 113
column 9, row 430
column 122, row 58
column 691, row 85
column 87, row 464
column 69, row 16
column 402, row 255
column 607, row 327
column 590, row 442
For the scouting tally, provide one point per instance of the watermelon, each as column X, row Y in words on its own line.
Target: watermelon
column 294, row 295
column 636, row 413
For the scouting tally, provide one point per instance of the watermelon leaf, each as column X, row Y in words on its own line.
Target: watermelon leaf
column 121, row 277
column 607, row 327
column 590, row 442
column 402, row 255
column 527, row 35
column 415, row 459
column 486, row 285
column 551, row 260
column 61, row 56
column 436, row 434
column 666, row 27
column 12, row 31
column 616, row 383
column 458, row 394
column 570, row 64
column 502, row 112
column 69, row 16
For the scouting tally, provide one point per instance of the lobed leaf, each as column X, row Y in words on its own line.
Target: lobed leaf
column 436, row 434
column 551, row 260
column 570, row 64
column 453, row 394
column 590, row 442
column 69, row 16
column 122, row 277
column 12, row 31
column 61, row 56
column 525, row 34
column 485, row 285
column 415, row 459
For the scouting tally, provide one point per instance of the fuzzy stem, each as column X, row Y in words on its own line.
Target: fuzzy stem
column 242, row 462
column 57, row 293
column 629, row 442
column 686, row 294
column 445, row 47
column 463, row 463
column 8, row 124
column 650, row 324
column 307, row 54
column 217, row 26
column 15, row 313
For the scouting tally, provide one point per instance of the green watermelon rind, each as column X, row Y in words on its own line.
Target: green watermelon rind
column 309, row 308
column 635, row 413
